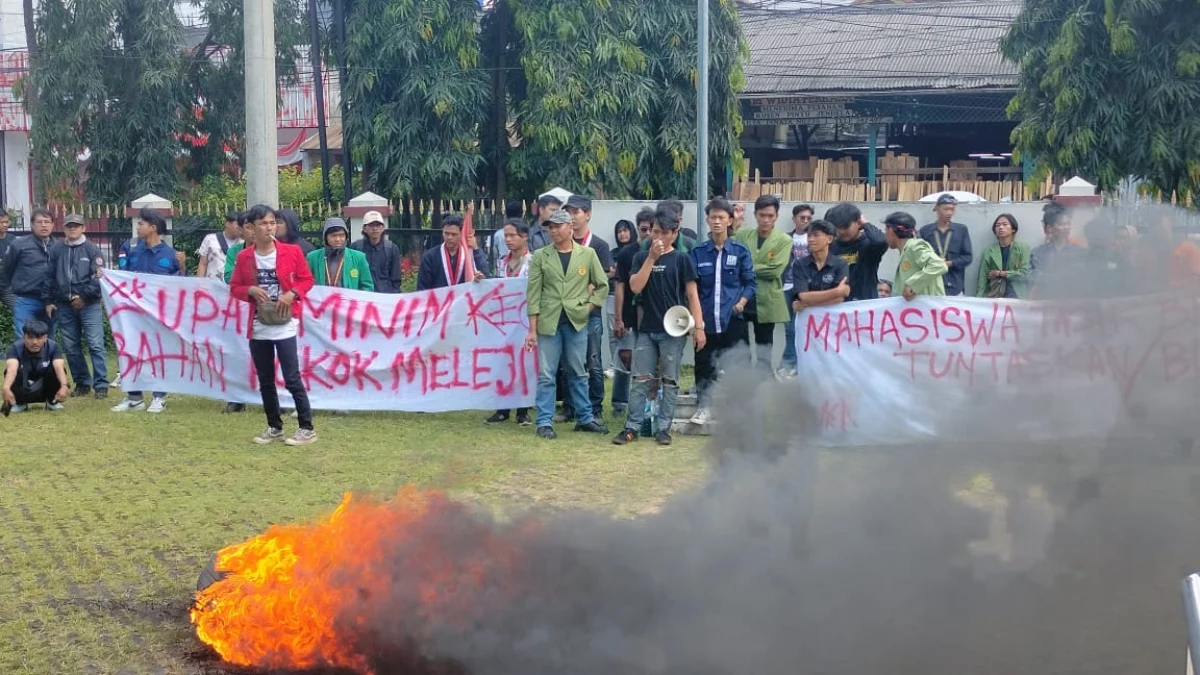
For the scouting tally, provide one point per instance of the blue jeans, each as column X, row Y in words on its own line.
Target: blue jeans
column 84, row 325
column 30, row 309
column 789, row 349
column 570, row 347
column 595, row 363
column 664, row 352
column 620, row 389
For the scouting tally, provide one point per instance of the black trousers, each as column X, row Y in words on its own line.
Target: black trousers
column 708, row 360
column 41, row 390
column 263, row 352
column 764, row 339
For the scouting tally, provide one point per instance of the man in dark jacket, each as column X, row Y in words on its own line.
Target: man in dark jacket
column 6, row 239
column 861, row 245
column 73, row 299
column 443, row 265
column 952, row 241
column 26, row 268
column 382, row 255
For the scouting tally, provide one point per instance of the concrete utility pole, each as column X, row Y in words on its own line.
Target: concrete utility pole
column 701, row 115
column 262, row 141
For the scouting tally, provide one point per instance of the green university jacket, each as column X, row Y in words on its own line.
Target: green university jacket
column 356, row 272
column 551, row 292
column 770, row 261
column 1019, row 255
column 920, row 268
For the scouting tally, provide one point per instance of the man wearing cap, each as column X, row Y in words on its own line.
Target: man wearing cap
column 580, row 209
column 443, row 265
column 383, row 257
column 952, row 241
column 335, row 265
column 566, row 282
column 72, row 297
column 547, row 203
column 921, row 268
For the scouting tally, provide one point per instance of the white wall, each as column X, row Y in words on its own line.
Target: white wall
column 17, row 189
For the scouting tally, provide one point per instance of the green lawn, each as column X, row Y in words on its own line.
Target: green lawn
column 108, row 519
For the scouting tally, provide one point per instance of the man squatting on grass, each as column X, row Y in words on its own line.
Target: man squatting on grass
column 274, row 276
column 33, row 370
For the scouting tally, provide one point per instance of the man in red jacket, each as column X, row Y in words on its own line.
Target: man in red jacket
column 274, row 276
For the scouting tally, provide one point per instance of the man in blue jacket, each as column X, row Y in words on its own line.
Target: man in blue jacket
column 151, row 255
column 952, row 241
column 73, row 299
column 726, row 284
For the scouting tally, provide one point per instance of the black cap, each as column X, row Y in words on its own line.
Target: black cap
column 946, row 199
column 579, row 202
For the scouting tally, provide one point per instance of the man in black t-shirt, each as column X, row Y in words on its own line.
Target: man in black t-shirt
column 663, row 278
column 861, row 245
column 624, row 328
column 580, row 209
column 34, row 371
column 821, row 279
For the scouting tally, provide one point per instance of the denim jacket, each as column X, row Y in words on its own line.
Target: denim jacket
column 736, row 279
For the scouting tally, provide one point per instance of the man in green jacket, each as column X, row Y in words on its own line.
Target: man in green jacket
column 921, row 268
column 566, row 282
column 771, row 250
column 337, row 265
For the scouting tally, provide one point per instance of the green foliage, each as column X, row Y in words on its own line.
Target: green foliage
column 415, row 95
column 111, row 77
column 1109, row 89
column 606, row 99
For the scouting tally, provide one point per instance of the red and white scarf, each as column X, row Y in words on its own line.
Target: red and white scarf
column 458, row 268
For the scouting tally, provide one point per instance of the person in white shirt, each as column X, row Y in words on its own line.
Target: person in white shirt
column 215, row 247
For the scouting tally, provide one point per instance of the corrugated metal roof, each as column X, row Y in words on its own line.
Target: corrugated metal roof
column 910, row 47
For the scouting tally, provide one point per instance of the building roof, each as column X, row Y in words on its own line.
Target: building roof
column 923, row 46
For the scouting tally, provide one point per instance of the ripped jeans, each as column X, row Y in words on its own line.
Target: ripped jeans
column 662, row 351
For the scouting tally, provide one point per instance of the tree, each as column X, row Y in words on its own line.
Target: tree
column 1110, row 89
column 606, row 98
column 416, row 95
column 109, row 78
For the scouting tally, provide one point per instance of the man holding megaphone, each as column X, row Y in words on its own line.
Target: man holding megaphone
column 666, row 280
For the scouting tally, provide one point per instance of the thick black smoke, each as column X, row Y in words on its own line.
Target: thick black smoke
column 981, row 557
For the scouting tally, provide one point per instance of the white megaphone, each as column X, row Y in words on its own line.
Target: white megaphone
column 678, row 321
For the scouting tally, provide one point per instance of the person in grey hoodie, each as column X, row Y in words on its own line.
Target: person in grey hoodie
column 73, row 299
column 26, row 271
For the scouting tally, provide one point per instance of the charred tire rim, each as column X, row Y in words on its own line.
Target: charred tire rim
column 209, row 575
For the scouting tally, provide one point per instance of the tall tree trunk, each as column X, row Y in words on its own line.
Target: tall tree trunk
column 31, row 96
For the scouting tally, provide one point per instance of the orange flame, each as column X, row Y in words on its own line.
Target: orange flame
column 298, row 596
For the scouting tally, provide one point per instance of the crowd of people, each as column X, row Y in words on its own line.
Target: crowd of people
column 736, row 285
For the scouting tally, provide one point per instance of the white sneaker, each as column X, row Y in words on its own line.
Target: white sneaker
column 302, row 437
column 269, row 436
column 701, row 417
column 157, row 405
column 19, row 408
column 294, row 414
column 129, row 404
column 55, row 406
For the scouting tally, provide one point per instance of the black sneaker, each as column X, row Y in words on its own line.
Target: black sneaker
column 592, row 427
column 547, row 433
column 523, row 419
column 233, row 408
column 102, row 393
column 499, row 417
column 625, row 437
column 81, row 390
column 565, row 415
column 663, row 437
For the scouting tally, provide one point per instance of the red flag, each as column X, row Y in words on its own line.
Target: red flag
column 468, row 234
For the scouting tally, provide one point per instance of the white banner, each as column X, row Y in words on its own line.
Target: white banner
column 963, row 369
column 458, row 348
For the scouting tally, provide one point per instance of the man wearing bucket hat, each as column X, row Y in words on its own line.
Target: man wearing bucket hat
column 335, row 265
column 382, row 255
column 920, row 269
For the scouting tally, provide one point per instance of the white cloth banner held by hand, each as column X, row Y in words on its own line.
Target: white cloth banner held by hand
column 457, row 348
column 889, row 372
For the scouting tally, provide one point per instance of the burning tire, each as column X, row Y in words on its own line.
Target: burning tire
column 209, row 575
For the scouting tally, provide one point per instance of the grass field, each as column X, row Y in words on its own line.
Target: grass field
column 108, row 519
